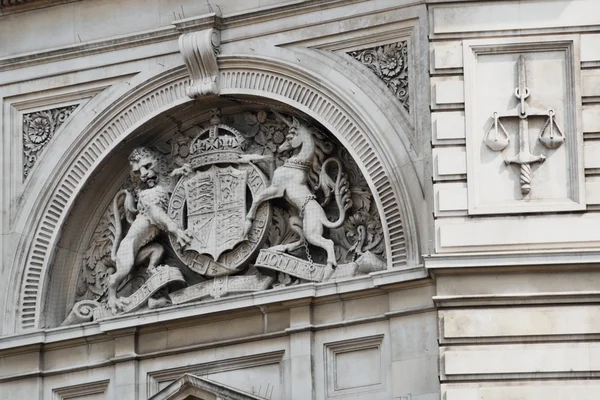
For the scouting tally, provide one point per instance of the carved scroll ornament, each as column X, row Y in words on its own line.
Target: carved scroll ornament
column 216, row 218
column 199, row 51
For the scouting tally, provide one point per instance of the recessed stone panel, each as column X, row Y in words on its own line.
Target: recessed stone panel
column 354, row 366
column 523, row 137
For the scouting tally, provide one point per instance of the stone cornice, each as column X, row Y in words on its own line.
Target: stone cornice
column 17, row 6
column 172, row 31
column 89, row 48
column 439, row 263
column 289, row 297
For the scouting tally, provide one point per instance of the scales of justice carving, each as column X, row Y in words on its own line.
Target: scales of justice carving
column 230, row 211
column 497, row 138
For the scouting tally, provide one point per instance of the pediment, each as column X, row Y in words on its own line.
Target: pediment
column 192, row 387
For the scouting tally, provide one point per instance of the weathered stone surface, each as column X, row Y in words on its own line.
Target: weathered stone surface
column 241, row 206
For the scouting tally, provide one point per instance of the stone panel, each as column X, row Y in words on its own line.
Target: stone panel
column 518, row 233
column 450, row 198
column 449, row 163
column 534, row 15
column 342, row 359
column 521, row 360
column 448, row 127
column 474, row 324
column 531, row 163
column 581, row 390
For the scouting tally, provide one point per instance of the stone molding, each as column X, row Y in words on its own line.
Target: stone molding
column 256, row 76
column 215, row 310
column 344, row 347
column 192, row 386
column 156, row 378
column 156, row 35
column 84, row 389
column 16, row 6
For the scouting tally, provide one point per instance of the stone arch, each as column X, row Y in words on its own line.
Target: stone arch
column 240, row 76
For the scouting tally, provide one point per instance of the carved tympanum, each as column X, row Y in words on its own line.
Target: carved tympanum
column 390, row 64
column 253, row 200
column 38, row 129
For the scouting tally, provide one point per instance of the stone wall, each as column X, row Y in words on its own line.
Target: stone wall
column 76, row 103
column 380, row 342
column 487, row 281
column 515, row 271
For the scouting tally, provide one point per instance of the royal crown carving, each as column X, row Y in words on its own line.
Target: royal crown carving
column 249, row 202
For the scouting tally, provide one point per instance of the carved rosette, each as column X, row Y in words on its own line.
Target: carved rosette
column 390, row 64
column 38, row 128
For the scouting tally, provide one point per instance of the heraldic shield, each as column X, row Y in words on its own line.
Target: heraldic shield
column 216, row 208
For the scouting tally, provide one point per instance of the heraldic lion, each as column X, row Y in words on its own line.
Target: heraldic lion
column 146, row 211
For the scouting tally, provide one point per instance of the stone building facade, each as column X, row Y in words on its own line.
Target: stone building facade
column 326, row 199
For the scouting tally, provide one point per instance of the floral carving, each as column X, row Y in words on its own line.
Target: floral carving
column 38, row 129
column 390, row 63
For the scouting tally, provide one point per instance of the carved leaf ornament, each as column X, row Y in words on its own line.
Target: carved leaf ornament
column 390, row 64
column 38, row 128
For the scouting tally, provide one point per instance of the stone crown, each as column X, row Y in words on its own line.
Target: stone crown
column 218, row 143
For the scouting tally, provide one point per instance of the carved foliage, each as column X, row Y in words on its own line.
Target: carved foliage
column 38, row 129
column 390, row 64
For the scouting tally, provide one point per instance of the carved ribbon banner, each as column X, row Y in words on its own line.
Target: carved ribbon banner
column 299, row 268
column 220, row 287
column 87, row 310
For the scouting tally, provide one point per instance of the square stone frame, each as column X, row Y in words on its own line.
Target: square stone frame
column 572, row 125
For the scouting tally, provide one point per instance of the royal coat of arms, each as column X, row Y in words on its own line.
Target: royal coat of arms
column 210, row 203
column 233, row 229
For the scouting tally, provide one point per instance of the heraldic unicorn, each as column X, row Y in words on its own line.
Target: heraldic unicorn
column 263, row 201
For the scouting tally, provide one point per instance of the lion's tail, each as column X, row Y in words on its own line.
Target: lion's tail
column 117, row 221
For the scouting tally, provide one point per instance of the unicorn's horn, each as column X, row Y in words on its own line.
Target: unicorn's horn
column 295, row 123
column 281, row 117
